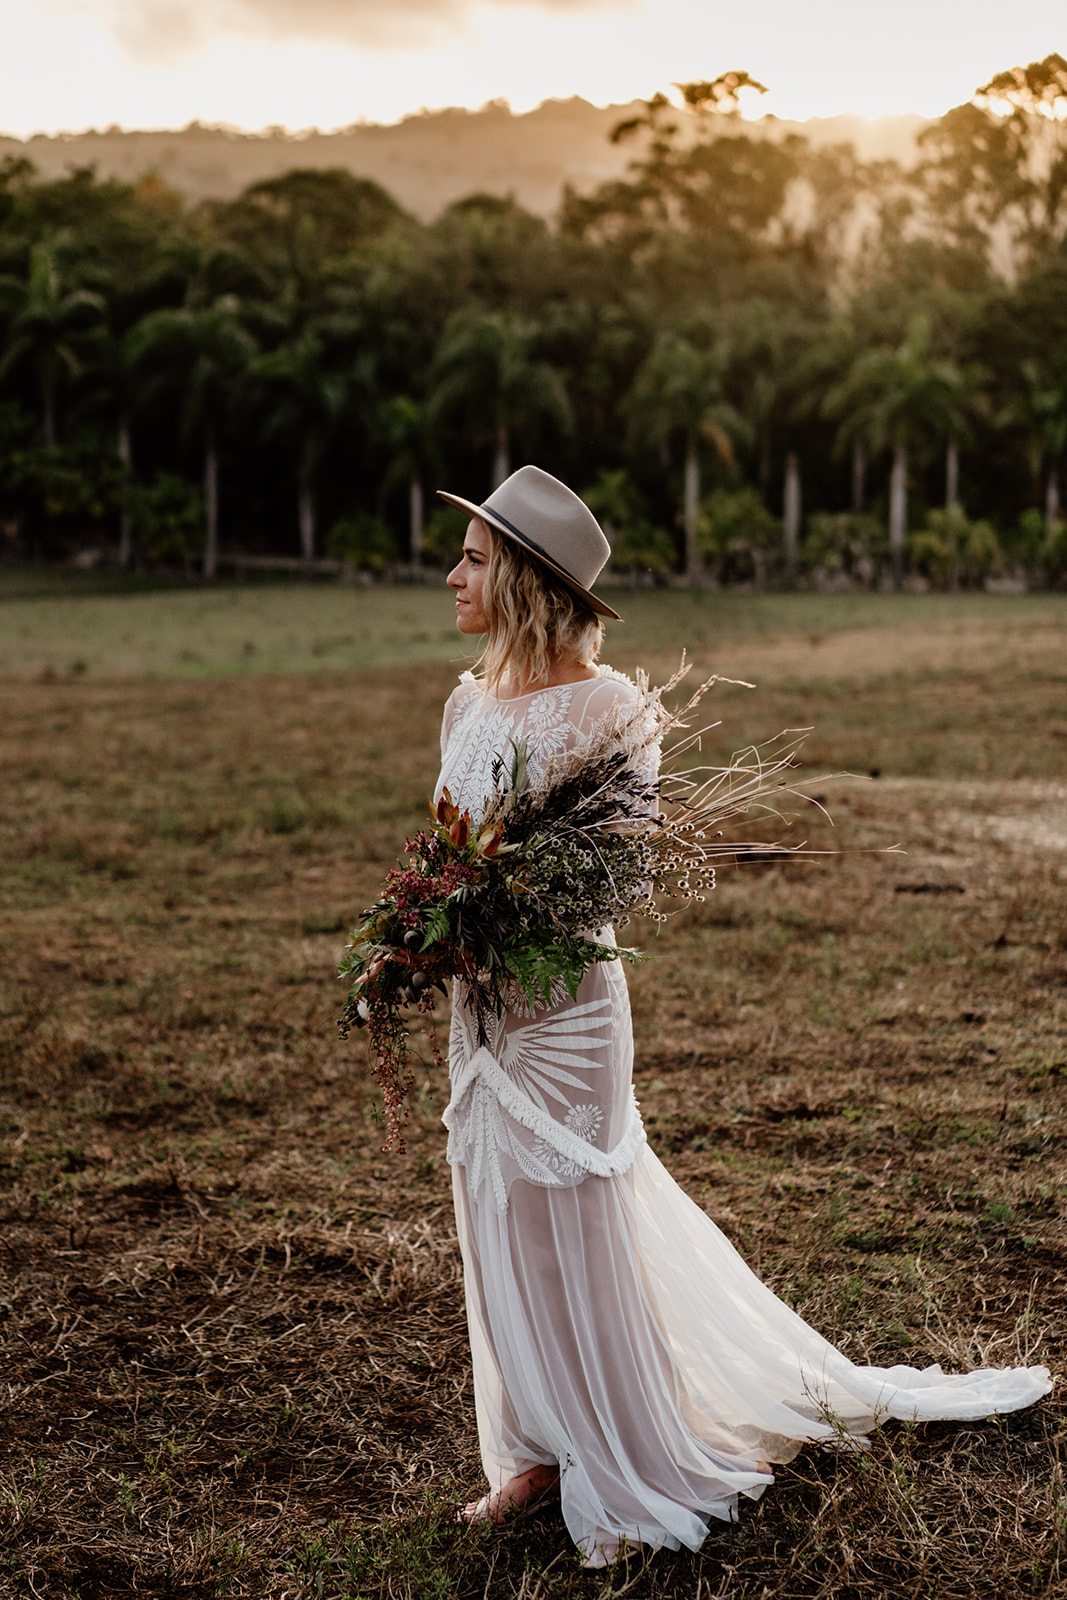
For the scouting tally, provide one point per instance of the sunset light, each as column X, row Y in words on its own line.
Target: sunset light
column 74, row 64
column 650, row 417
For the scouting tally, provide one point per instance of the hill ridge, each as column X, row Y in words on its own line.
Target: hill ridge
column 426, row 161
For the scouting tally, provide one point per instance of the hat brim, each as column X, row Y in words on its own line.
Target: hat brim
column 485, row 514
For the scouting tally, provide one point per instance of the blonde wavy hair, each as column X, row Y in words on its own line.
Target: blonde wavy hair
column 533, row 617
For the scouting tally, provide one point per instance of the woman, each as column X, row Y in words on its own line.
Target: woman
column 625, row 1358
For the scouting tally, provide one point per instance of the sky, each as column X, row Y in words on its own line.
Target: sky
column 68, row 65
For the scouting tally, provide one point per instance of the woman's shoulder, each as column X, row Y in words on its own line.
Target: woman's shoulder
column 607, row 689
column 624, row 688
column 467, row 687
column 597, row 697
column 458, row 706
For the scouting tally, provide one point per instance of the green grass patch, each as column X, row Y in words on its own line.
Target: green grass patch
column 69, row 625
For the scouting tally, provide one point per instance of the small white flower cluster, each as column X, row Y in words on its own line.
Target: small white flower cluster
column 586, row 884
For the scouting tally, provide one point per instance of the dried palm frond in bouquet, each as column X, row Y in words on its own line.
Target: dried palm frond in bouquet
column 511, row 901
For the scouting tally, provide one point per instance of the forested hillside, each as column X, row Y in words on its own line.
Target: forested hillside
column 763, row 360
column 426, row 160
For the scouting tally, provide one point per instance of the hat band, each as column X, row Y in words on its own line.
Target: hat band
column 532, row 544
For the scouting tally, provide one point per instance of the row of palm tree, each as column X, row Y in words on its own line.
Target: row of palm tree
column 311, row 342
column 205, row 361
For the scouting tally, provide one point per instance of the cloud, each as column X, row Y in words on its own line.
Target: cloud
column 160, row 30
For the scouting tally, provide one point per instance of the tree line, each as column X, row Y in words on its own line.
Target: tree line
column 760, row 360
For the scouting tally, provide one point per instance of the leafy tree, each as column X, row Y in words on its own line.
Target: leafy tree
column 362, row 541
column 895, row 398
column 695, row 174
column 737, row 534
column 412, row 452
column 1044, row 413
column 849, row 543
column 166, row 514
column 679, row 390
column 781, row 363
column 114, row 380
column 954, row 551
column 489, row 250
column 637, row 545
column 303, row 402
column 49, row 323
column 202, row 356
column 311, row 213
column 16, row 173
column 73, row 483
column 486, row 368
column 1001, row 160
column 443, row 535
column 297, row 231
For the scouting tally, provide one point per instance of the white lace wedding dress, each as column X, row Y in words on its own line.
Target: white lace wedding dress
column 614, row 1329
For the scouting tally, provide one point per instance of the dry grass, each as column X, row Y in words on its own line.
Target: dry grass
column 235, row 1358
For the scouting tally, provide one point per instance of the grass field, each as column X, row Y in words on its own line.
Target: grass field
column 234, row 1347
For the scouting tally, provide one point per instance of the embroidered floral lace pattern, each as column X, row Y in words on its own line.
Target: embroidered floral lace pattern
column 548, row 1098
column 581, row 1120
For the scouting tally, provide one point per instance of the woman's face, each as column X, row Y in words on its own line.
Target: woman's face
column 468, row 578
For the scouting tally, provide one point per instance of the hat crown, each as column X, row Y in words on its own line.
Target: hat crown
column 552, row 519
column 549, row 521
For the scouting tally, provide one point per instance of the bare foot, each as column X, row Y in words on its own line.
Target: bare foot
column 605, row 1550
column 519, row 1496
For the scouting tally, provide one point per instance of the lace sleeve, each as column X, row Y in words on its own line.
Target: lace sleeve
column 461, row 695
column 599, row 697
column 447, row 719
column 604, row 694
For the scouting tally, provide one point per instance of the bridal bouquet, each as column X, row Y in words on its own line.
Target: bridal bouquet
column 510, row 901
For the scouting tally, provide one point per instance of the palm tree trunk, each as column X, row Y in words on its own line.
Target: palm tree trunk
column 791, row 512
column 125, row 449
column 952, row 475
column 501, row 466
column 764, row 469
column 415, row 519
column 1052, row 499
column 305, row 509
column 692, row 509
column 898, row 512
column 211, row 505
column 48, row 408
column 306, row 518
column 859, row 475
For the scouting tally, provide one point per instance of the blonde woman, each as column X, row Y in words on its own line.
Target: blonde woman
column 625, row 1358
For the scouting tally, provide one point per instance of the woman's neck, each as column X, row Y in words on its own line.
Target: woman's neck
column 564, row 669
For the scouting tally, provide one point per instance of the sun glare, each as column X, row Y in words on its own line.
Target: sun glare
column 62, row 66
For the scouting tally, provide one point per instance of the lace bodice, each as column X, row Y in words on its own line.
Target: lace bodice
column 477, row 728
column 548, row 1097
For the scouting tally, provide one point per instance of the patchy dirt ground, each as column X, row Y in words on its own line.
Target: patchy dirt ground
column 234, row 1348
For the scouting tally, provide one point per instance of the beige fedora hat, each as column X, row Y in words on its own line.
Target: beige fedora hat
column 550, row 522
